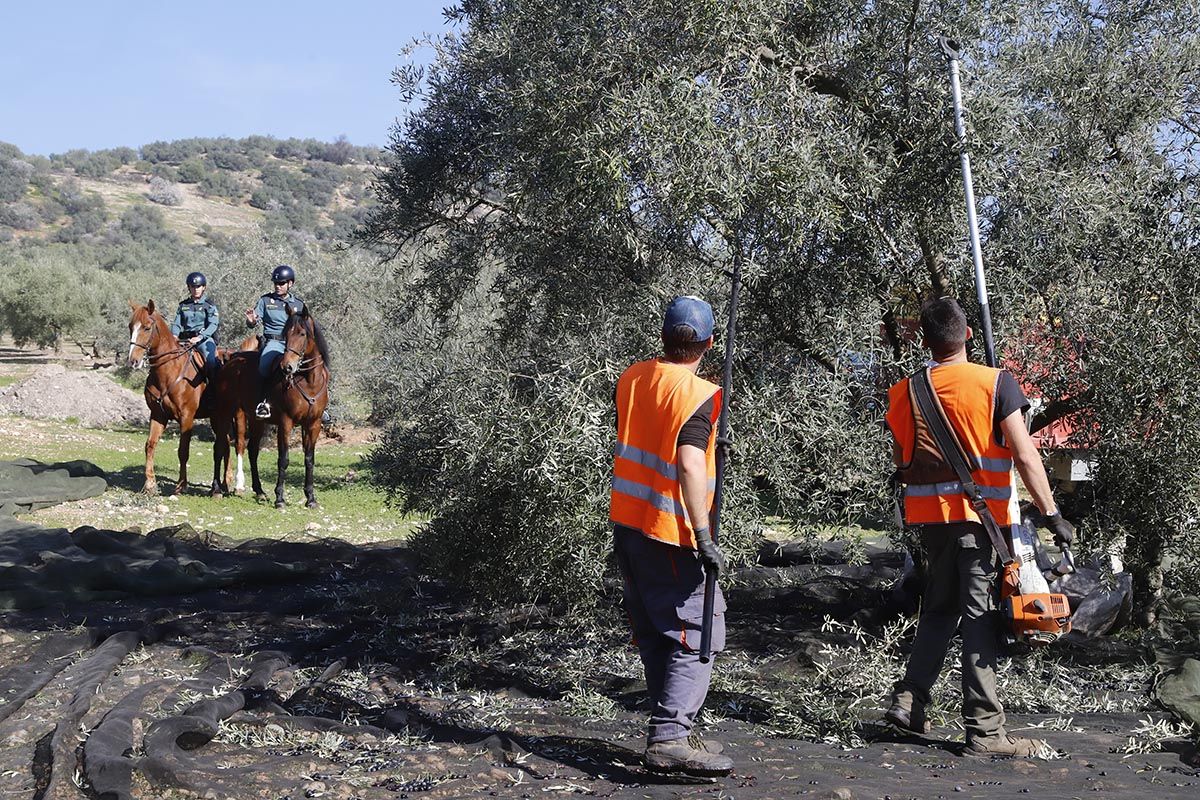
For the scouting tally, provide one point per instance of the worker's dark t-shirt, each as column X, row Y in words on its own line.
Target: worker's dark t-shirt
column 1009, row 398
column 698, row 427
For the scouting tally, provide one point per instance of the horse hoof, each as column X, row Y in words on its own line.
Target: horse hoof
column 150, row 488
column 280, row 504
column 179, row 489
column 312, row 504
column 215, row 494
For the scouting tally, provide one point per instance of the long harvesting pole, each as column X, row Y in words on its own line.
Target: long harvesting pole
column 714, row 521
column 953, row 54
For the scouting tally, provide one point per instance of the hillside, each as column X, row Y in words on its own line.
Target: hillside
column 83, row 233
column 201, row 187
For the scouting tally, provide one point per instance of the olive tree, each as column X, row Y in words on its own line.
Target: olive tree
column 575, row 165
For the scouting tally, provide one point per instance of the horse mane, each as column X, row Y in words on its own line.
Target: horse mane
column 317, row 333
column 322, row 345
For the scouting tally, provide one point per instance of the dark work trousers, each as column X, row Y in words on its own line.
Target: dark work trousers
column 959, row 595
column 664, row 598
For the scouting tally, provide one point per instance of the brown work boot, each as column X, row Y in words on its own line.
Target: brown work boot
column 1004, row 745
column 907, row 713
column 678, row 755
column 708, row 745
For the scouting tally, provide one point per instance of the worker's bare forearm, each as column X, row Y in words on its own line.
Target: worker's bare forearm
column 1033, row 475
column 1028, row 462
column 693, row 480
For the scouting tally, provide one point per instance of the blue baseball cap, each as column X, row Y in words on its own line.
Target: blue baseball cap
column 690, row 311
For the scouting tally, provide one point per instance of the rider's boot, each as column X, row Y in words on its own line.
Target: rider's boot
column 263, row 409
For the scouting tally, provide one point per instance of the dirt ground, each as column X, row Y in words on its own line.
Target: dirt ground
column 321, row 669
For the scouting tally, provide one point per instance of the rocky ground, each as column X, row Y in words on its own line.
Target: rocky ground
column 177, row 664
column 92, row 399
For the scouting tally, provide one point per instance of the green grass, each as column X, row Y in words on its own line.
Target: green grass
column 350, row 508
column 9, row 380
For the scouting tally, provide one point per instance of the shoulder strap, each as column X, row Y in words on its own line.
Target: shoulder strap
column 951, row 449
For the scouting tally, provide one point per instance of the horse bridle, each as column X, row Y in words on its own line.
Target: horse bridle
column 150, row 358
column 304, row 365
column 133, row 342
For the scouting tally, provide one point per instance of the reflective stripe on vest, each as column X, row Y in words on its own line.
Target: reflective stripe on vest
column 654, row 400
column 967, row 393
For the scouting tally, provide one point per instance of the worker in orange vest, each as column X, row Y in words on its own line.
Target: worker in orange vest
column 985, row 408
column 664, row 475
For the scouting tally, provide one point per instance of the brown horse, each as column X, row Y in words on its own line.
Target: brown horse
column 174, row 385
column 298, row 399
column 234, row 393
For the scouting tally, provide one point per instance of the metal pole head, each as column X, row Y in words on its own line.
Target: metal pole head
column 951, row 48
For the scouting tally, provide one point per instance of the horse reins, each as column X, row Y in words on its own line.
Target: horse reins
column 154, row 360
column 306, row 365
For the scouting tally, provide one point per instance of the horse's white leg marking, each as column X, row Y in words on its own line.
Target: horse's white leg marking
column 241, row 476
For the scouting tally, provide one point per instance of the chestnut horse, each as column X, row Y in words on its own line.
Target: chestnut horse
column 298, row 399
column 173, row 386
column 234, row 394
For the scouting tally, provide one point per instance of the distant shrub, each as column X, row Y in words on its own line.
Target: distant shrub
column 338, row 152
column 164, row 171
column 267, row 198
column 6, row 235
column 229, row 160
column 221, row 184
column 44, row 182
column 172, row 152
column 321, row 183
column 22, row 216
column 14, row 178
column 86, row 209
column 50, row 210
column 96, row 165
column 299, row 216
column 192, row 171
column 315, row 148
column 123, row 155
column 290, row 149
column 146, row 224
column 164, row 192
column 258, row 158
column 46, row 298
column 344, row 224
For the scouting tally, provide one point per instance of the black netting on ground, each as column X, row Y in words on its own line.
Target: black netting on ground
column 179, row 664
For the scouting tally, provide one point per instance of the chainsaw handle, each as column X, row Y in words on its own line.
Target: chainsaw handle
column 1064, row 567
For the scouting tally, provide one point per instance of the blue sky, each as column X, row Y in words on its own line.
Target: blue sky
column 93, row 74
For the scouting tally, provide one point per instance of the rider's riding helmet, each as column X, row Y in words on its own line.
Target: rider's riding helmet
column 195, row 279
column 282, row 274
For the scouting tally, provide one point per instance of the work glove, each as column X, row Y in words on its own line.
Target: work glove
column 710, row 555
column 725, row 445
column 1064, row 532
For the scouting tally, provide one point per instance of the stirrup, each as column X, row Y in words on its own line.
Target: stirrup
column 263, row 410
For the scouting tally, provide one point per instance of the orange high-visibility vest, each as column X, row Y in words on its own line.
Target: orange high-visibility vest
column 933, row 494
column 654, row 399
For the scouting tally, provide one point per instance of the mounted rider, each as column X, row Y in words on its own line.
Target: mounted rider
column 196, row 322
column 272, row 311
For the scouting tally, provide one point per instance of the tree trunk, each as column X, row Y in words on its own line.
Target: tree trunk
column 938, row 279
column 1145, row 560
